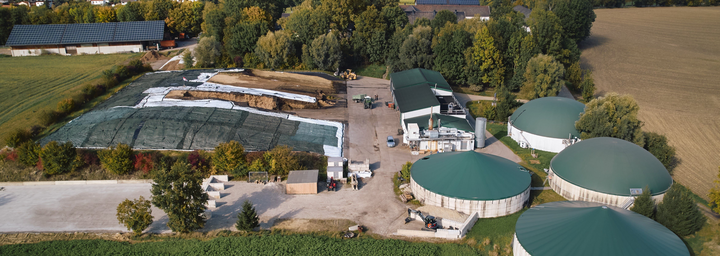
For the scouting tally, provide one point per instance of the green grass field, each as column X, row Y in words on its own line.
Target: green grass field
column 29, row 85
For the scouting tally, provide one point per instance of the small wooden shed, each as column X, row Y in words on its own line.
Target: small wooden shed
column 302, row 182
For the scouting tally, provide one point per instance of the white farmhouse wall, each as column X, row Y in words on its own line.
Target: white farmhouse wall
column 576, row 193
column 106, row 49
column 484, row 209
column 536, row 141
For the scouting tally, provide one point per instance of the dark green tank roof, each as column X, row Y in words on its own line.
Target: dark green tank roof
column 611, row 166
column 470, row 175
column 550, row 117
column 589, row 229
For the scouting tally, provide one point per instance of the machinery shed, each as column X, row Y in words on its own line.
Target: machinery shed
column 607, row 170
column 302, row 182
column 469, row 182
column 589, row 229
column 546, row 124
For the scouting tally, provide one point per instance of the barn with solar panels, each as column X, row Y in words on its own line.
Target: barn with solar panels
column 85, row 38
column 591, row 229
column 546, row 124
column 609, row 171
column 471, row 182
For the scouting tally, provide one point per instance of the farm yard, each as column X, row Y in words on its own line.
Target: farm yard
column 33, row 84
column 668, row 60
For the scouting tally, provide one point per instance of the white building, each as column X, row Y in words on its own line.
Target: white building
column 546, row 124
column 422, row 95
column 609, row 171
column 85, row 38
column 471, row 182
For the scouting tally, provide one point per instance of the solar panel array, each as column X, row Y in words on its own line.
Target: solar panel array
column 85, row 33
column 428, row 2
column 464, row 2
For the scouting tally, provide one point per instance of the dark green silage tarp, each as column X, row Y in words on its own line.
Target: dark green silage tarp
column 552, row 117
column 115, row 121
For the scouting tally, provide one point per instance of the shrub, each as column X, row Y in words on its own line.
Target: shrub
column 12, row 156
column 247, row 218
column 57, row 158
column 145, row 162
column 17, row 137
column 229, row 157
column 198, row 161
column 49, row 117
column 405, row 171
column 28, row 153
column 282, row 160
column 66, row 106
column 136, row 215
column 89, row 157
column 117, row 159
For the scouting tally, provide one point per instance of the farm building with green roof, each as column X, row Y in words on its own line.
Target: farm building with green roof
column 607, row 170
column 546, row 124
column 422, row 95
column 471, row 182
column 590, row 229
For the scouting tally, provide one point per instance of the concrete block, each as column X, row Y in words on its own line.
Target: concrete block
column 133, row 181
column 217, row 186
column 214, row 194
column 415, row 233
column 447, row 233
column 211, row 203
column 5, row 184
column 223, row 178
column 101, row 182
column 38, row 183
column 70, row 182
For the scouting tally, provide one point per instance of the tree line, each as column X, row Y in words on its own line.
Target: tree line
column 622, row 3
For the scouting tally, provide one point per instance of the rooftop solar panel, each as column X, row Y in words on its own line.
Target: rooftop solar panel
column 429, row 2
column 89, row 33
column 86, row 33
column 464, row 2
column 140, row 31
column 36, row 34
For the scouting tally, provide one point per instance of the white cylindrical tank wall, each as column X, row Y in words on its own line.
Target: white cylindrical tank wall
column 573, row 192
column 536, row 141
column 518, row 249
column 484, row 208
column 480, row 124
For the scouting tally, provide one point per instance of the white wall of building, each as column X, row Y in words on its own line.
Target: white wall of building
column 420, row 112
column 535, row 141
column 84, row 49
column 518, row 249
column 485, row 209
column 576, row 193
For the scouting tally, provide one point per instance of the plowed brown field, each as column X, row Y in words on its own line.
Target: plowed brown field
column 668, row 59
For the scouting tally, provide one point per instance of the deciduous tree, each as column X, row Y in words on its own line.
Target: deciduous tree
column 574, row 76
column 274, row 48
column 443, row 17
column 588, row 86
column 207, row 51
column 657, row 144
column 229, row 156
column 178, row 192
column 136, row 215
column 611, row 116
column 325, row 52
column 449, row 49
column 488, row 58
column 242, row 37
column 543, row 77
column 57, row 158
column 679, row 213
column 416, row 50
column 369, row 35
column 576, row 17
column 281, row 160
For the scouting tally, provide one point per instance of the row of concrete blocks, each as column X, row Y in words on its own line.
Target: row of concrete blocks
column 459, row 231
column 73, row 182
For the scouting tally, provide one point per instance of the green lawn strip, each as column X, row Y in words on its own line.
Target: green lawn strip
column 371, row 70
column 254, row 244
column 33, row 84
column 498, row 231
column 466, row 90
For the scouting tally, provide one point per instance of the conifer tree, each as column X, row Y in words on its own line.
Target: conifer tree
column 644, row 204
column 679, row 213
column 247, row 219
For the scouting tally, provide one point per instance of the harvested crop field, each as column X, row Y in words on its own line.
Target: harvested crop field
column 141, row 116
column 668, row 59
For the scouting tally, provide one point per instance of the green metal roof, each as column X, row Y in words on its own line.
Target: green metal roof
column 419, row 76
column 415, row 97
column 611, row 166
column 589, row 229
column 550, row 117
column 470, row 175
column 445, row 121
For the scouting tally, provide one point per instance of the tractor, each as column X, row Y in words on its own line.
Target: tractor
column 368, row 102
column 430, row 222
column 331, row 186
column 348, row 75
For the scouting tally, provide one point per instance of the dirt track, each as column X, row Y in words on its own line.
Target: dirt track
column 668, row 59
